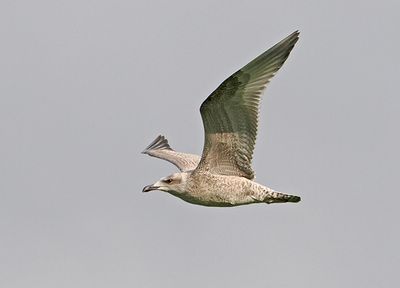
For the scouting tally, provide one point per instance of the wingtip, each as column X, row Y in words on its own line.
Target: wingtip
column 159, row 143
column 296, row 34
column 293, row 37
column 289, row 40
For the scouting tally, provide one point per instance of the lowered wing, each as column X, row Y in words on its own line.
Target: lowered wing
column 160, row 148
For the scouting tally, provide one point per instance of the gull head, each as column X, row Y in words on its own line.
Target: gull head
column 174, row 184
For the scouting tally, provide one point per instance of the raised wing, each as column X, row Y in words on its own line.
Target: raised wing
column 230, row 113
column 160, row 148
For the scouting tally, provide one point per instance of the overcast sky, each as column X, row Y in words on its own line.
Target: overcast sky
column 86, row 85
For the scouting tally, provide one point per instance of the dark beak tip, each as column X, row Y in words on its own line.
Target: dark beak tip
column 148, row 188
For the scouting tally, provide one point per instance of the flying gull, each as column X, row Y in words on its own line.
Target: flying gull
column 223, row 175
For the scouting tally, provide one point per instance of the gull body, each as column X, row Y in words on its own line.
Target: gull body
column 209, row 189
column 223, row 176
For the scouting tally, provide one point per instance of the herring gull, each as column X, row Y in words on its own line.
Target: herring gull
column 223, row 175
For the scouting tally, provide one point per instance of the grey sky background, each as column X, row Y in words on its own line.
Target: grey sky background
column 86, row 85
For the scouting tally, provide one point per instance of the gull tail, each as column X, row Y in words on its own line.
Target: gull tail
column 278, row 197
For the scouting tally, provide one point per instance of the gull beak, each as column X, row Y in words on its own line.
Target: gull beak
column 149, row 188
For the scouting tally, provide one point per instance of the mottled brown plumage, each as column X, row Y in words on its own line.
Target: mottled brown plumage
column 223, row 175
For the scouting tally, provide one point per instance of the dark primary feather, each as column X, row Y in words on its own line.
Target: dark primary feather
column 160, row 148
column 230, row 113
column 159, row 143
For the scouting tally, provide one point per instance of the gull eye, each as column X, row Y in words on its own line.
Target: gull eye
column 168, row 181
